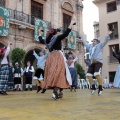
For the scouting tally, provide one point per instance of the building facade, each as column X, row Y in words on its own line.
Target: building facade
column 57, row 13
column 108, row 20
column 96, row 29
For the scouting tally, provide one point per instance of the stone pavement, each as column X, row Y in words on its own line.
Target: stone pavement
column 80, row 105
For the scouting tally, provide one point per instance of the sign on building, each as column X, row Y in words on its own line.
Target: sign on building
column 40, row 29
column 72, row 40
column 4, row 21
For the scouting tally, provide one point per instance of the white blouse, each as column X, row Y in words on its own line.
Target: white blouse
column 4, row 60
column 27, row 69
column 72, row 64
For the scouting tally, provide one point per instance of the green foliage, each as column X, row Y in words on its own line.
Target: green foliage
column 80, row 71
column 17, row 55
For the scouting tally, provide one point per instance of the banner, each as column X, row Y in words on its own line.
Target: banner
column 40, row 29
column 72, row 40
column 4, row 21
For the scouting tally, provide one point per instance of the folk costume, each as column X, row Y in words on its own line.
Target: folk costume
column 117, row 75
column 56, row 66
column 10, row 79
column 28, row 72
column 71, row 61
column 96, row 62
column 18, row 73
column 4, row 70
column 39, row 74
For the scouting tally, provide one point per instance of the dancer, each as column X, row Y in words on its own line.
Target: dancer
column 71, row 61
column 117, row 75
column 95, row 50
column 56, row 66
column 4, row 70
column 28, row 72
column 39, row 74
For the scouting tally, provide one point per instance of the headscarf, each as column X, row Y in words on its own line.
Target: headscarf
column 2, row 50
column 50, row 33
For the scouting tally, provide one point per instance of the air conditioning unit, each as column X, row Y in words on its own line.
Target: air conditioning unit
column 22, row 27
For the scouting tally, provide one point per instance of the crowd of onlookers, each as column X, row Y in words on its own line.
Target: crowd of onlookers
column 18, row 75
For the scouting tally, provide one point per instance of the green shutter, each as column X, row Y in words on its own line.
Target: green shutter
column 72, row 40
column 4, row 21
column 40, row 25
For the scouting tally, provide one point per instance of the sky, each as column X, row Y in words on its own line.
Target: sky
column 90, row 14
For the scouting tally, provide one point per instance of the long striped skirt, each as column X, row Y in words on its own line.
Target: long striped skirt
column 55, row 75
column 4, row 74
column 74, row 76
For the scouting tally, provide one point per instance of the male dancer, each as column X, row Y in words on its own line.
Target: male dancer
column 95, row 50
column 39, row 74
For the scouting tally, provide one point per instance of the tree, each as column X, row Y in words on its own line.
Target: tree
column 80, row 71
column 17, row 55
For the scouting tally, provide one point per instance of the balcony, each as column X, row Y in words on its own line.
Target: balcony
column 20, row 16
column 112, row 59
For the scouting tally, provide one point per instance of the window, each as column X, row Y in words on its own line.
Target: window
column 2, row 3
column 111, row 76
column 36, row 10
column 113, row 26
column 66, row 21
column 118, row 1
column 112, row 58
column 111, row 6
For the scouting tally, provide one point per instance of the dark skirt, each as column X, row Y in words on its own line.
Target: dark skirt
column 4, row 74
column 17, row 80
column 74, row 76
column 28, row 80
column 38, row 72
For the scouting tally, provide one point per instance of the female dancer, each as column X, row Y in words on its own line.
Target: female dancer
column 55, row 64
column 4, row 70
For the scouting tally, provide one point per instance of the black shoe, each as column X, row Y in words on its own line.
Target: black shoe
column 93, row 89
column 71, row 89
column 61, row 94
column 4, row 93
column 55, row 96
column 100, row 89
column 26, row 89
column 74, row 89
column 1, row 92
column 30, row 89
column 19, row 89
column 39, row 88
column 43, row 91
column 14, row 89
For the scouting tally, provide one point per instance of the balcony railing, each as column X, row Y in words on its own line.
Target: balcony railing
column 112, row 59
column 20, row 16
column 2, row 3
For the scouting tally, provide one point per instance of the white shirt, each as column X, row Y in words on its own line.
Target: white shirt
column 72, row 64
column 18, row 74
column 27, row 69
column 40, row 60
column 4, row 60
